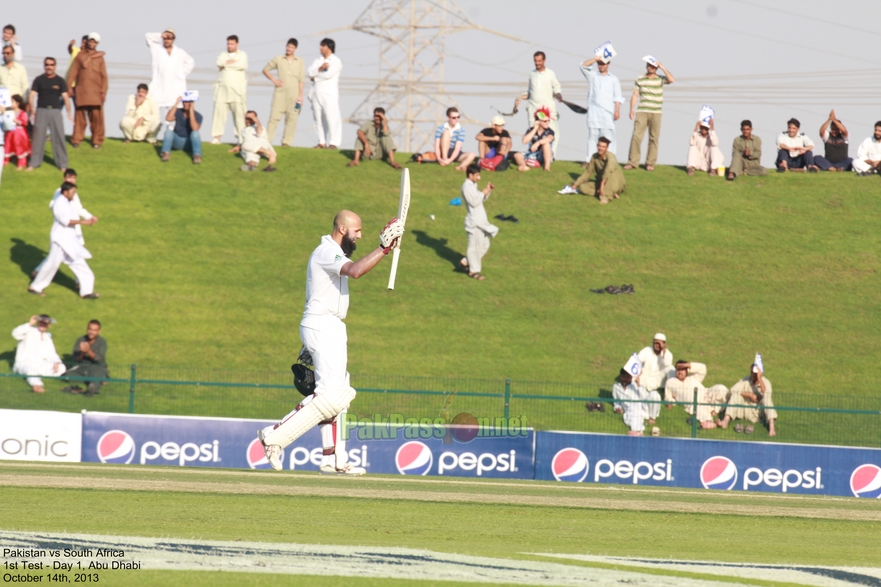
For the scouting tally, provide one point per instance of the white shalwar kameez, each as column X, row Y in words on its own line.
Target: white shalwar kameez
column 656, row 369
column 65, row 248
column 325, row 98
column 35, row 355
column 170, row 73
column 636, row 412
column 79, row 213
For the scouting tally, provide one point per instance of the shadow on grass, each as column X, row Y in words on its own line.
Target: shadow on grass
column 440, row 247
column 27, row 257
column 9, row 357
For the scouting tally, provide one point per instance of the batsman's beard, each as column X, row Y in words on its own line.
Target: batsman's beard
column 348, row 245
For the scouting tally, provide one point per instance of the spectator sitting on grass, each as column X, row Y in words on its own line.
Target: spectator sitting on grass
column 746, row 153
column 703, row 149
column 795, row 150
column 869, row 154
column 834, row 136
column 494, row 145
column 141, row 120
column 630, row 395
column 90, row 356
column 747, row 397
column 449, row 142
column 609, row 179
column 36, row 355
column 540, row 139
column 255, row 142
column 185, row 135
column 689, row 378
column 375, row 141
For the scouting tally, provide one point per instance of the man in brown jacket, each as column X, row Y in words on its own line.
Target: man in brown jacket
column 89, row 74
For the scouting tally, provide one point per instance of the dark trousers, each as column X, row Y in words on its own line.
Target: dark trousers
column 49, row 119
column 794, row 162
column 845, row 164
column 95, row 117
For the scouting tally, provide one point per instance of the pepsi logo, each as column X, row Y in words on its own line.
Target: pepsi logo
column 413, row 458
column 718, row 473
column 257, row 456
column 570, row 464
column 116, row 447
column 865, row 481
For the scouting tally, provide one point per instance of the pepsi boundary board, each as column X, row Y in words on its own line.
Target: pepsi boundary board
column 711, row 464
column 232, row 443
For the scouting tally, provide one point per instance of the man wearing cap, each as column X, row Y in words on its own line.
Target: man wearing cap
column 603, row 104
column 539, row 140
column 746, row 398
column 703, row 149
column 90, row 356
column 65, row 248
column 648, row 91
column 287, row 100
column 689, row 378
column 636, row 403
column 230, row 89
column 657, row 363
column 542, row 91
column 13, row 75
column 89, row 72
column 171, row 66
column 375, row 142
column 493, row 144
column 36, row 355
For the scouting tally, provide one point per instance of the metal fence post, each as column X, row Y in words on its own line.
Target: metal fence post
column 507, row 399
column 694, row 414
column 131, row 390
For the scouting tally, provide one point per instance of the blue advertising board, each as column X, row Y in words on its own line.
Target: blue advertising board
column 711, row 464
column 429, row 448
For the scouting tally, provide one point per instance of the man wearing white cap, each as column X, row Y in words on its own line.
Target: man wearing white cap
column 88, row 73
column 657, row 363
column 603, row 104
column 703, row 149
column 543, row 90
column 493, row 144
column 746, row 397
column 648, row 91
column 171, row 66
column 36, row 355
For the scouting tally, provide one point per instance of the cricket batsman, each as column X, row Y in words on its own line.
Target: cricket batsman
column 323, row 333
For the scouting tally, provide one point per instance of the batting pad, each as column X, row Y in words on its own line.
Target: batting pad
column 324, row 406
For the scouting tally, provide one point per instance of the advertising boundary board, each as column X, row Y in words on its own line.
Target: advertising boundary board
column 40, row 435
column 710, row 464
column 426, row 448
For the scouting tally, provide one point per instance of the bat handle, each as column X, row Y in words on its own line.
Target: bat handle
column 396, row 253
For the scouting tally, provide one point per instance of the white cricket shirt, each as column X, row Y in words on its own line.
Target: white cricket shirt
column 327, row 292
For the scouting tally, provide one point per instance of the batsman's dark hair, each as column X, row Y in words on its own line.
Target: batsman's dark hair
column 9, row 27
column 379, row 109
column 293, row 41
column 537, row 53
column 329, row 43
column 744, row 123
column 793, row 121
column 604, row 140
column 70, row 172
column 144, row 87
column 472, row 169
column 67, row 186
column 95, row 322
column 233, row 38
column 452, row 109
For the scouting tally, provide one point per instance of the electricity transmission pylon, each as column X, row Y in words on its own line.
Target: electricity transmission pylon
column 411, row 64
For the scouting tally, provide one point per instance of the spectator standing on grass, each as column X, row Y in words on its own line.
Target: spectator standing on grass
column 78, row 212
column 795, row 150
column 631, row 400
column 13, row 75
column 703, row 149
column 603, row 104
column 648, row 91
column 834, row 136
column 141, row 120
column 171, row 66
column 689, row 378
column 746, row 153
column 287, row 100
column 543, row 90
column 90, row 360
column 868, row 159
column 750, row 399
column 608, row 179
column 230, row 90
column 477, row 225
column 255, row 144
column 325, row 96
column 18, row 143
column 185, row 135
column 494, row 144
column 48, row 95
column 90, row 73
column 375, row 142
column 35, row 355
column 10, row 39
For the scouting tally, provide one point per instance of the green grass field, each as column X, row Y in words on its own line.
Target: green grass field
column 204, row 267
column 510, row 522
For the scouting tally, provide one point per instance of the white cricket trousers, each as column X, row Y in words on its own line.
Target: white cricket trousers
column 328, row 122
column 53, row 261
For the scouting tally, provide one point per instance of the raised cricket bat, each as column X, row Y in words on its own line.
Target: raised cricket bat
column 403, row 208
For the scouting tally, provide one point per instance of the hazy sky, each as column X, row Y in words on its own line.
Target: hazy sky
column 767, row 62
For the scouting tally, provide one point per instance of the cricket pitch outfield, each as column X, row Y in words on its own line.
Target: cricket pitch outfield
column 228, row 527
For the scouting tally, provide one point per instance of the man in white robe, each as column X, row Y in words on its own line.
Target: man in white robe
column 171, row 66
column 477, row 225
column 689, row 377
column 78, row 209
column 36, row 355
column 141, row 120
column 703, row 149
column 66, row 248
column 325, row 96
column 657, row 363
column 230, row 90
column 632, row 399
column 544, row 90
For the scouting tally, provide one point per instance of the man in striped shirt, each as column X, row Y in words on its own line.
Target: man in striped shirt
column 449, row 142
column 648, row 91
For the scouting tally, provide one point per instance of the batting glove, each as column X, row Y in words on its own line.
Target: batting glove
column 389, row 236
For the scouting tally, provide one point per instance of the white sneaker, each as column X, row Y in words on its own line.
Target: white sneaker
column 215, row 142
column 272, row 452
column 567, row 190
column 347, row 469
